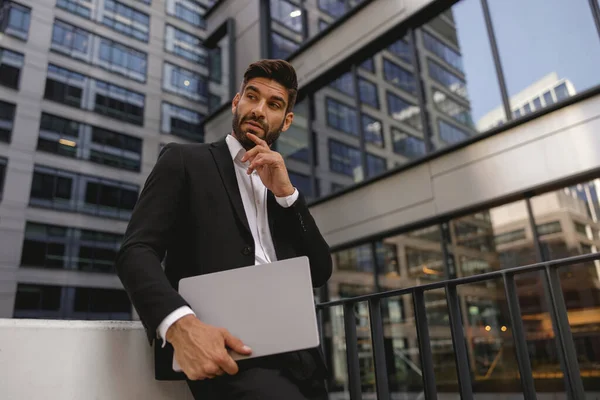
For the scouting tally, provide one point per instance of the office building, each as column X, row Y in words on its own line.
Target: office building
column 435, row 140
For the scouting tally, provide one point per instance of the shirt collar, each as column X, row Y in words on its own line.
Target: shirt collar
column 236, row 149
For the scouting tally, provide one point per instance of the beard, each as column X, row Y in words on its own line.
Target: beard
column 269, row 136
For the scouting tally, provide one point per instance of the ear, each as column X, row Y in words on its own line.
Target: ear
column 289, row 118
column 235, row 102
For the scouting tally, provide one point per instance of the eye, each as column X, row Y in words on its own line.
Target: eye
column 250, row 96
column 276, row 106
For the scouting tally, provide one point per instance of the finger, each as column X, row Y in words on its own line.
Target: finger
column 253, row 152
column 257, row 140
column 258, row 161
column 226, row 363
column 236, row 344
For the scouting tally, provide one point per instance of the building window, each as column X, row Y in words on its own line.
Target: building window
column 344, row 159
column 323, row 25
column 561, row 91
column 368, row 93
column 3, row 162
column 302, row 183
column 71, row 40
column 185, row 45
column 443, row 51
column 450, row 81
column 59, row 136
column 509, row 237
column 335, row 8
column 187, row 11
column 399, row 77
column 215, row 68
column 50, row 246
column 185, row 83
column 69, row 191
column 282, row 47
column 453, row 109
column 375, row 165
column 81, row 303
column 7, row 118
column 64, row 86
column 450, row 133
column 548, row 99
column 19, row 18
column 537, row 103
column 52, row 188
column 368, row 65
column 123, row 60
column 10, row 68
column 401, row 49
column 287, row 14
column 179, row 121
column 31, row 300
column 344, row 83
column 403, row 111
column 119, row 103
column 550, row 228
column 407, row 145
column 77, row 7
column 126, row 20
column 341, row 117
column 373, row 130
column 115, row 149
column 580, row 228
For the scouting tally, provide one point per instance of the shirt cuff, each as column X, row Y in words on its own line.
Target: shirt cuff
column 287, row 201
column 170, row 320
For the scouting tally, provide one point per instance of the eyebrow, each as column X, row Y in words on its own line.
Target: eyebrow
column 276, row 98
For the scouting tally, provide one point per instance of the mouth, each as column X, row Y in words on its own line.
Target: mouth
column 254, row 125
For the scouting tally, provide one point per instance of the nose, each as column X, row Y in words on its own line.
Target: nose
column 258, row 111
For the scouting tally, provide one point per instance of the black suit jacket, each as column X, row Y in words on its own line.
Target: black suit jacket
column 191, row 210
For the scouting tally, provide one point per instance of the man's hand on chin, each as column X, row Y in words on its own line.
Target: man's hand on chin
column 270, row 167
column 200, row 349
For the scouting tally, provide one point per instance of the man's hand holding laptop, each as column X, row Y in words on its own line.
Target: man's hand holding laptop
column 201, row 349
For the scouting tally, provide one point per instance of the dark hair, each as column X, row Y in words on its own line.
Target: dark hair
column 280, row 71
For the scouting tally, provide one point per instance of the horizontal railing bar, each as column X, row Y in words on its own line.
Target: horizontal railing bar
column 466, row 280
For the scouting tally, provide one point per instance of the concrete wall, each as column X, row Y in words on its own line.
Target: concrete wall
column 559, row 145
column 80, row 360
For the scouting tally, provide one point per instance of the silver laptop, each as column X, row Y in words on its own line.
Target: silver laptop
column 270, row 307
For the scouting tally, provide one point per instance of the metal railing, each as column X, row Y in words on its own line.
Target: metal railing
column 558, row 313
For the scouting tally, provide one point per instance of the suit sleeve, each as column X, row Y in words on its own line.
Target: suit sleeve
column 310, row 241
column 138, row 261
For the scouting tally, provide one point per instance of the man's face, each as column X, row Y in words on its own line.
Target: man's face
column 260, row 109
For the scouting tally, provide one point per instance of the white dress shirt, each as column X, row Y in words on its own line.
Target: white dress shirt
column 254, row 198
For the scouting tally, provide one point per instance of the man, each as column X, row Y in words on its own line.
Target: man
column 215, row 207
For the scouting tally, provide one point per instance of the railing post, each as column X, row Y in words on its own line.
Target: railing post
column 429, row 386
column 354, row 384
column 518, row 333
column 461, row 356
column 562, row 332
column 381, row 376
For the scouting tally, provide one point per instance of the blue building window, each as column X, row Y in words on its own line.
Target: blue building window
column 335, row 8
column 126, row 20
column 368, row 93
column 344, row 84
column 375, row 165
column 407, row 145
column 450, row 133
column 282, row 47
column 287, row 14
column 74, row 7
column 368, row 65
column 341, row 117
column 401, row 49
column 302, row 183
column 443, row 51
column 19, row 18
column 451, row 81
column 404, row 111
column 344, row 159
column 399, row 77
column 373, row 130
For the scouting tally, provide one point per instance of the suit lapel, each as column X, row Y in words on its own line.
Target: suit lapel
column 222, row 157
